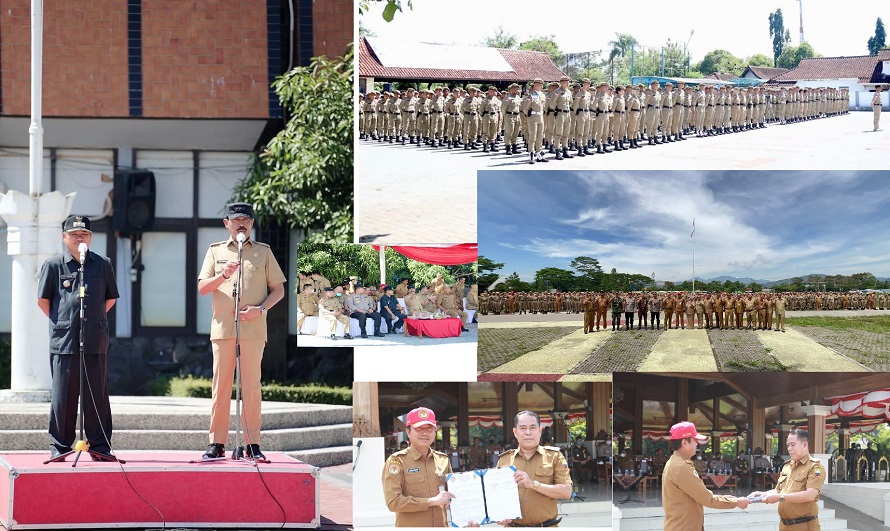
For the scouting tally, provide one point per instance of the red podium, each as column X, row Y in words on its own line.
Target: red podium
column 217, row 494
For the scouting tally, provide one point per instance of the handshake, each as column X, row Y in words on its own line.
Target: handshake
column 768, row 497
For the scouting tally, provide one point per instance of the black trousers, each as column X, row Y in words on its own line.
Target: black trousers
column 363, row 317
column 388, row 318
column 65, row 394
column 654, row 319
column 628, row 320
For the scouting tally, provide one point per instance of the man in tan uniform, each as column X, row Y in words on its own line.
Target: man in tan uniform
column 541, row 473
column 402, row 288
column 414, row 478
column 307, row 303
column 683, row 493
column 797, row 491
column 476, row 455
column 262, row 286
column 448, row 305
column 330, row 310
column 534, row 106
column 876, row 106
column 510, row 111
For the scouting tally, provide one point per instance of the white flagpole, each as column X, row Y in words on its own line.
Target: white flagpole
column 382, row 264
column 693, row 256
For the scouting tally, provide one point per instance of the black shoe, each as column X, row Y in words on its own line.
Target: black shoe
column 55, row 451
column 347, row 336
column 214, row 451
column 378, row 334
column 559, row 155
column 333, row 337
column 253, row 451
column 364, row 335
column 566, row 154
column 464, row 329
column 101, row 454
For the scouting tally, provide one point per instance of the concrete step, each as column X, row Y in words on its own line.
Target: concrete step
column 322, row 457
column 276, row 415
column 282, row 440
column 758, row 517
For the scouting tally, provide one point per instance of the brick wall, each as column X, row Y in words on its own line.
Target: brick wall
column 333, row 25
column 84, row 54
column 205, row 58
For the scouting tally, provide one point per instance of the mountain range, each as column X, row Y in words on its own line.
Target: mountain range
column 748, row 280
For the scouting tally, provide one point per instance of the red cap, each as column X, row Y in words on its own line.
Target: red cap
column 685, row 430
column 421, row 416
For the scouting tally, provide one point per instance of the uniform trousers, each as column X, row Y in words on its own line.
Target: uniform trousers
column 65, row 370
column 251, row 394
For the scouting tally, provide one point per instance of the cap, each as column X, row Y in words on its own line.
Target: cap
column 387, row 288
column 553, row 84
column 565, row 78
column 420, row 416
column 685, row 430
column 585, row 80
column 538, row 80
column 238, row 210
column 77, row 223
column 603, row 84
column 513, row 85
column 329, row 289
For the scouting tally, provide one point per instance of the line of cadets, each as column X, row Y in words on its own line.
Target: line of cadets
column 577, row 121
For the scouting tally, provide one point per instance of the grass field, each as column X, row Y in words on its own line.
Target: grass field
column 865, row 339
column 879, row 324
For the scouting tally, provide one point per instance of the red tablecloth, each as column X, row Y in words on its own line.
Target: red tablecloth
column 718, row 479
column 448, row 327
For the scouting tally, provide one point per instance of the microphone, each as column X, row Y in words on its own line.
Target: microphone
column 240, row 239
column 82, row 249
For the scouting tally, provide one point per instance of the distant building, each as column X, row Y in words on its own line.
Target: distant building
column 860, row 74
column 763, row 73
column 389, row 60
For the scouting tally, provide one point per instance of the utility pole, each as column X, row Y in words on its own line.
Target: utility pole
column 801, row 20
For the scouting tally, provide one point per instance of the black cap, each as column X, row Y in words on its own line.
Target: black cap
column 76, row 223
column 388, row 288
column 234, row 210
column 329, row 289
column 358, row 285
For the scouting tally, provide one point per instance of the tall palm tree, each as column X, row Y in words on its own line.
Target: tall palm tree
column 621, row 47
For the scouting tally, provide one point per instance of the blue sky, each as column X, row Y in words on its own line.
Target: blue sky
column 759, row 224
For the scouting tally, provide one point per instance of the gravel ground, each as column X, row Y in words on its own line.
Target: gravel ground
column 742, row 351
column 868, row 348
column 623, row 352
column 498, row 346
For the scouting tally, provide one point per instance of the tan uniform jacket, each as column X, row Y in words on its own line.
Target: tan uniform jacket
column 260, row 272
column 549, row 467
column 401, row 291
column 798, row 477
column 307, row 303
column 409, row 481
column 685, row 496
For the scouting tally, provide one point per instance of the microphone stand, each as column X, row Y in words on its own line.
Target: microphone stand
column 238, row 453
column 81, row 445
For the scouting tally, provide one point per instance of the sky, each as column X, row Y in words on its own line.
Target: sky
column 759, row 224
column 832, row 28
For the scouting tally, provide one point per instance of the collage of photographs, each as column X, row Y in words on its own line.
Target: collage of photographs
column 347, row 264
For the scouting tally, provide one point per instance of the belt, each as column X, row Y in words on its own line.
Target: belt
column 512, row 113
column 711, row 105
column 557, row 111
column 652, row 106
column 437, row 112
column 800, row 520
column 634, row 110
column 687, row 105
column 618, row 112
column 549, row 523
column 425, row 113
column 470, row 113
column 666, row 106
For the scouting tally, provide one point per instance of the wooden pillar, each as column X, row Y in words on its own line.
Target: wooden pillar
column 559, row 426
column 637, row 443
column 715, row 425
column 843, row 438
column 365, row 410
column 682, row 402
column 599, row 402
column 463, row 414
column 757, row 420
column 510, row 393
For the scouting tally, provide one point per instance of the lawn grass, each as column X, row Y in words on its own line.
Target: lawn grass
column 879, row 324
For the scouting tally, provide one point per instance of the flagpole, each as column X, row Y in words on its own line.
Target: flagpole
column 693, row 256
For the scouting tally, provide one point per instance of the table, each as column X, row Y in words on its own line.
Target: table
column 718, row 479
column 626, row 482
column 447, row 327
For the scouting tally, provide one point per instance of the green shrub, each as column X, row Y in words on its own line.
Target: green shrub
column 305, row 393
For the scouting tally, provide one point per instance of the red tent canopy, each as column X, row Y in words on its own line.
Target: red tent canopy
column 463, row 253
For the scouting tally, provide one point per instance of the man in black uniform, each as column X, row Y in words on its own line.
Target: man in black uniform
column 57, row 292
column 391, row 309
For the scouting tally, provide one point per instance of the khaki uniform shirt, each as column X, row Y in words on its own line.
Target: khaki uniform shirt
column 331, row 305
column 413, row 304
column 409, row 481
column 798, row 477
column 685, row 496
column 549, row 467
column 260, row 272
column 401, row 291
column 307, row 303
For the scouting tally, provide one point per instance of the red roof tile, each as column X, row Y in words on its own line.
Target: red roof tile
column 527, row 65
column 865, row 68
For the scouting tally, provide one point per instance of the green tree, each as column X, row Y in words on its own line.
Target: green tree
column 543, row 43
column 793, row 55
column 720, row 61
column 389, row 10
column 363, row 31
column 501, row 39
column 759, row 59
column 591, row 277
column 755, row 287
column 486, row 272
column 781, row 36
column 620, row 50
column 670, row 286
column 676, row 62
column 304, row 177
column 876, row 42
column 554, row 278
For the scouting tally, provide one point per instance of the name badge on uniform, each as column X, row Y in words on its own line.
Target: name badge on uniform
column 222, row 261
column 413, row 470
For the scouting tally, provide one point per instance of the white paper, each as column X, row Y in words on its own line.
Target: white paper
column 468, row 504
column 502, row 494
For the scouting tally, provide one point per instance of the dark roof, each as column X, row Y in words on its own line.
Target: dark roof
column 865, row 68
column 722, row 76
column 527, row 65
column 765, row 72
